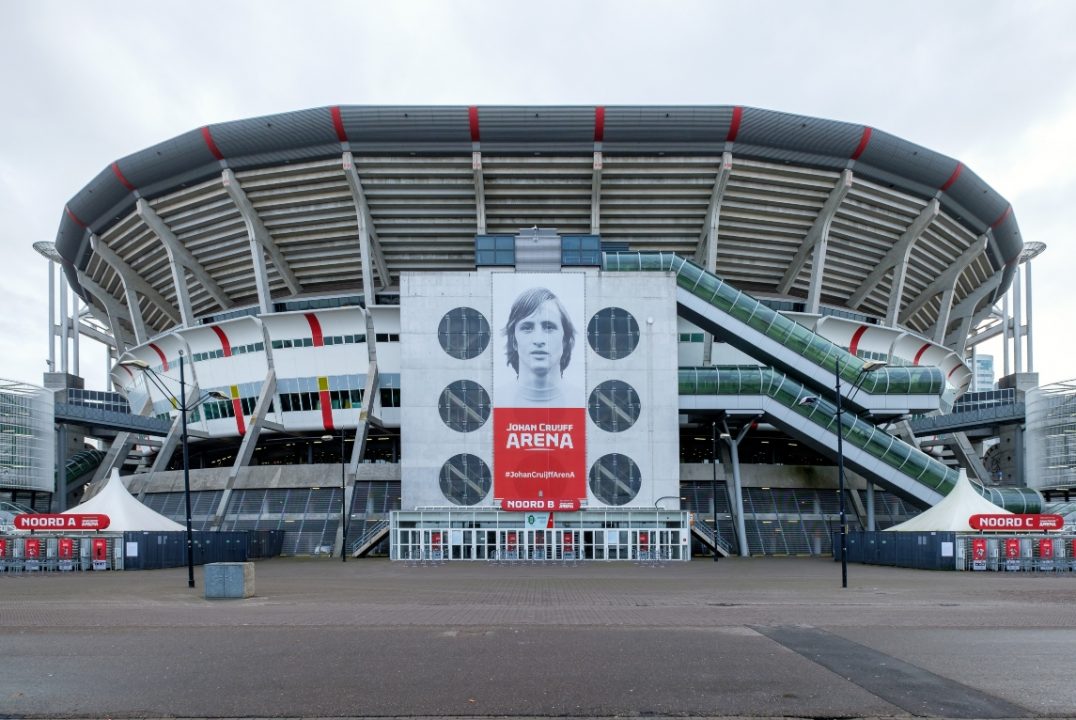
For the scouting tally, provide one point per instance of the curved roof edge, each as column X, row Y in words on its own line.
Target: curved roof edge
column 320, row 133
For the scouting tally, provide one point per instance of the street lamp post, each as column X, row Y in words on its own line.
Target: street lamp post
column 184, row 407
column 713, row 487
column 343, row 496
column 868, row 366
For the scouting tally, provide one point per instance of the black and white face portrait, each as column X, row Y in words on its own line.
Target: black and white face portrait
column 540, row 338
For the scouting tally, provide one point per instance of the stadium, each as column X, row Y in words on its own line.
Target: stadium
column 339, row 296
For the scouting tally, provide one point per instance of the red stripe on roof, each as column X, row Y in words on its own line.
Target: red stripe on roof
column 919, row 355
column 127, row 370
column 160, row 354
column 863, row 142
column 119, row 176
column 1002, row 218
column 338, row 123
column 734, row 128
column 952, row 178
column 208, row 137
column 958, row 366
column 472, row 117
column 599, row 123
column 315, row 329
column 225, row 345
column 326, row 410
column 856, row 337
column 73, row 216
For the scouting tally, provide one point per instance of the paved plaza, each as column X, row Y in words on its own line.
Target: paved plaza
column 761, row 637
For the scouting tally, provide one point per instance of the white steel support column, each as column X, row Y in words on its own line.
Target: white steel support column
column 1005, row 320
column 181, row 260
column 737, row 486
column 896, row 257
column 64, row 325
column 1017, row 330
column 1030, row 320
column 52, row 316
column 595, row 192
column 945, row 282
column 815, row 243
column 706, row 253
column 261, row 242
column 479, row 193
column 113, row 310
column 369, row 246
column 75, row 333
column 969, row 317
column 133, row 286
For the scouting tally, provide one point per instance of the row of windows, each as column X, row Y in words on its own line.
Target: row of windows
column 338, row 400
column 577, row 250
column 691, row 337
column 334, row 340
column 235, row 350
column 291, row 402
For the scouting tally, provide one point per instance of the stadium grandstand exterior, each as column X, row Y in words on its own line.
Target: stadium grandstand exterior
column 343, row 274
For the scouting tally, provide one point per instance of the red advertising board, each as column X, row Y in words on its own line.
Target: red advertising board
column 978, row 549
column 1012, row 548
column 1012, row 523
column 66, row 549
column 32, row 548
column 1046, row 549
column 539, row 460
column 66, row 521
column 3, row 547
column 100, row 549
column 539, row 396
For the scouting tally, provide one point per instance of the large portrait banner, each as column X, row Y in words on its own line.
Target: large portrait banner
column 539, row 392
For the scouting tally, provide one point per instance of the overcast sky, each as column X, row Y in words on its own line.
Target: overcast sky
column 992, row 84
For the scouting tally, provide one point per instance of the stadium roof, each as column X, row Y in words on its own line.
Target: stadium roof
column 426, row 180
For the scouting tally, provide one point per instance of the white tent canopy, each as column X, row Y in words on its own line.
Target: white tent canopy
column 953, row 512
column 124, row 512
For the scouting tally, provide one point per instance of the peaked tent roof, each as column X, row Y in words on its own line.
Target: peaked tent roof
column 124, row 512
column 953, row 512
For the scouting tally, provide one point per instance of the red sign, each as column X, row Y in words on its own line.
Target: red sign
column 540, row 457
column 3, row 547
column 100, row 549
column 1012, row 548
column 1046, row 549
column 978, row 549
column 1011, row 523
column 33, row 548
column 66, row 521
column 66, row 548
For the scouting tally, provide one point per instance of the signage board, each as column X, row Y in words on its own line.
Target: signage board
column 978, row 554
column 1046, row 554
column 66, row 521
column 1012, row 554
column 539, row 397
column 1015, row 523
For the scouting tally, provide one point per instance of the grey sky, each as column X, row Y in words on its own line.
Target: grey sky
column 990, row 83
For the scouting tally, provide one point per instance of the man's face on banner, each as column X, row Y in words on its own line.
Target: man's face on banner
column 540, row 340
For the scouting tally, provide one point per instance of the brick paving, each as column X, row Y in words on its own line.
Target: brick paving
column 696, row 622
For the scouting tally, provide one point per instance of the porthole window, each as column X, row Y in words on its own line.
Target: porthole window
column 615, row 479
column 614, row 406
column 464, row 405
column 463, row 333
column 613, row 333
column 465, row 479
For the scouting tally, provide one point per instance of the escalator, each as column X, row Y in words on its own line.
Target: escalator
column 883, row 459
column 779, row 342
